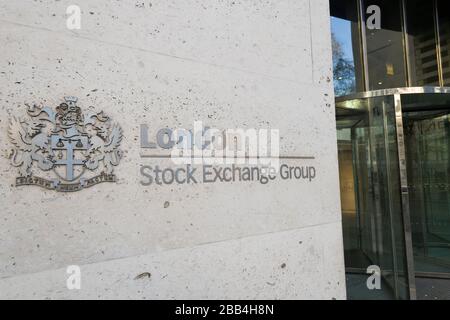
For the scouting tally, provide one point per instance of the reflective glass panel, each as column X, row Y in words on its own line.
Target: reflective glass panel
column 347, row 66
column 444, row 27
column 385, row 54
column 370, row 196
column 422, row 43
column 427, row 140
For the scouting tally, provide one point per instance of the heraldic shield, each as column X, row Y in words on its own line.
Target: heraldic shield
column 63, row 149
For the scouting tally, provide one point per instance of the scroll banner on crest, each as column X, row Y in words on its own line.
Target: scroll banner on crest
column 64, row 187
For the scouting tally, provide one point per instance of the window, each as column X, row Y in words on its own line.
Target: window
column 444, row 27
column 404, row 51
column 422, row 43
column 347, row 64
column 385, row 49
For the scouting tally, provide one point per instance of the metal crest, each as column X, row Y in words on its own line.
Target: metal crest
column 63, row 149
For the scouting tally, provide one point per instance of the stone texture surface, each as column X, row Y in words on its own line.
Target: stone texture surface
column 271, row 266
column 230, row 64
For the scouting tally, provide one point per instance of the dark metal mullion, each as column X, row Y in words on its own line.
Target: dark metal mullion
column 438, row 43
column 406, row 45
column 363, row 40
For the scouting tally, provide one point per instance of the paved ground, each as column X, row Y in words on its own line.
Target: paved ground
column 433, row 289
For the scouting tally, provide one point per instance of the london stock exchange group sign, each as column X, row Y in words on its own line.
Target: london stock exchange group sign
column 64, row 149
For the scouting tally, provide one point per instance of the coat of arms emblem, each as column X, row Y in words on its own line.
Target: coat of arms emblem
column 64, row 149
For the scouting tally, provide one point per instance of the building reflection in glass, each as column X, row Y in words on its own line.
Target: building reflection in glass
column 347, row 64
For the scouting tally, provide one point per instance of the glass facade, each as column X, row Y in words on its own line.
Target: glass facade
column 427, row 141
column 369, row 167
column 394, row 166
column 423, row 55
column 410, row 48
column 385, row 55
column 444, row 32
column 393, row 122
column 347, row 64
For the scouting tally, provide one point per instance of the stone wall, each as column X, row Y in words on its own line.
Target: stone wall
column 231, row 64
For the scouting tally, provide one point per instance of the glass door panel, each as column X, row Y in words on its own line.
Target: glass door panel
column 372, row 211
column 427, row 135
column 386, row 180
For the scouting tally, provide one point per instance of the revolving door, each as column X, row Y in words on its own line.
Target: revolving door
column 394, row 163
